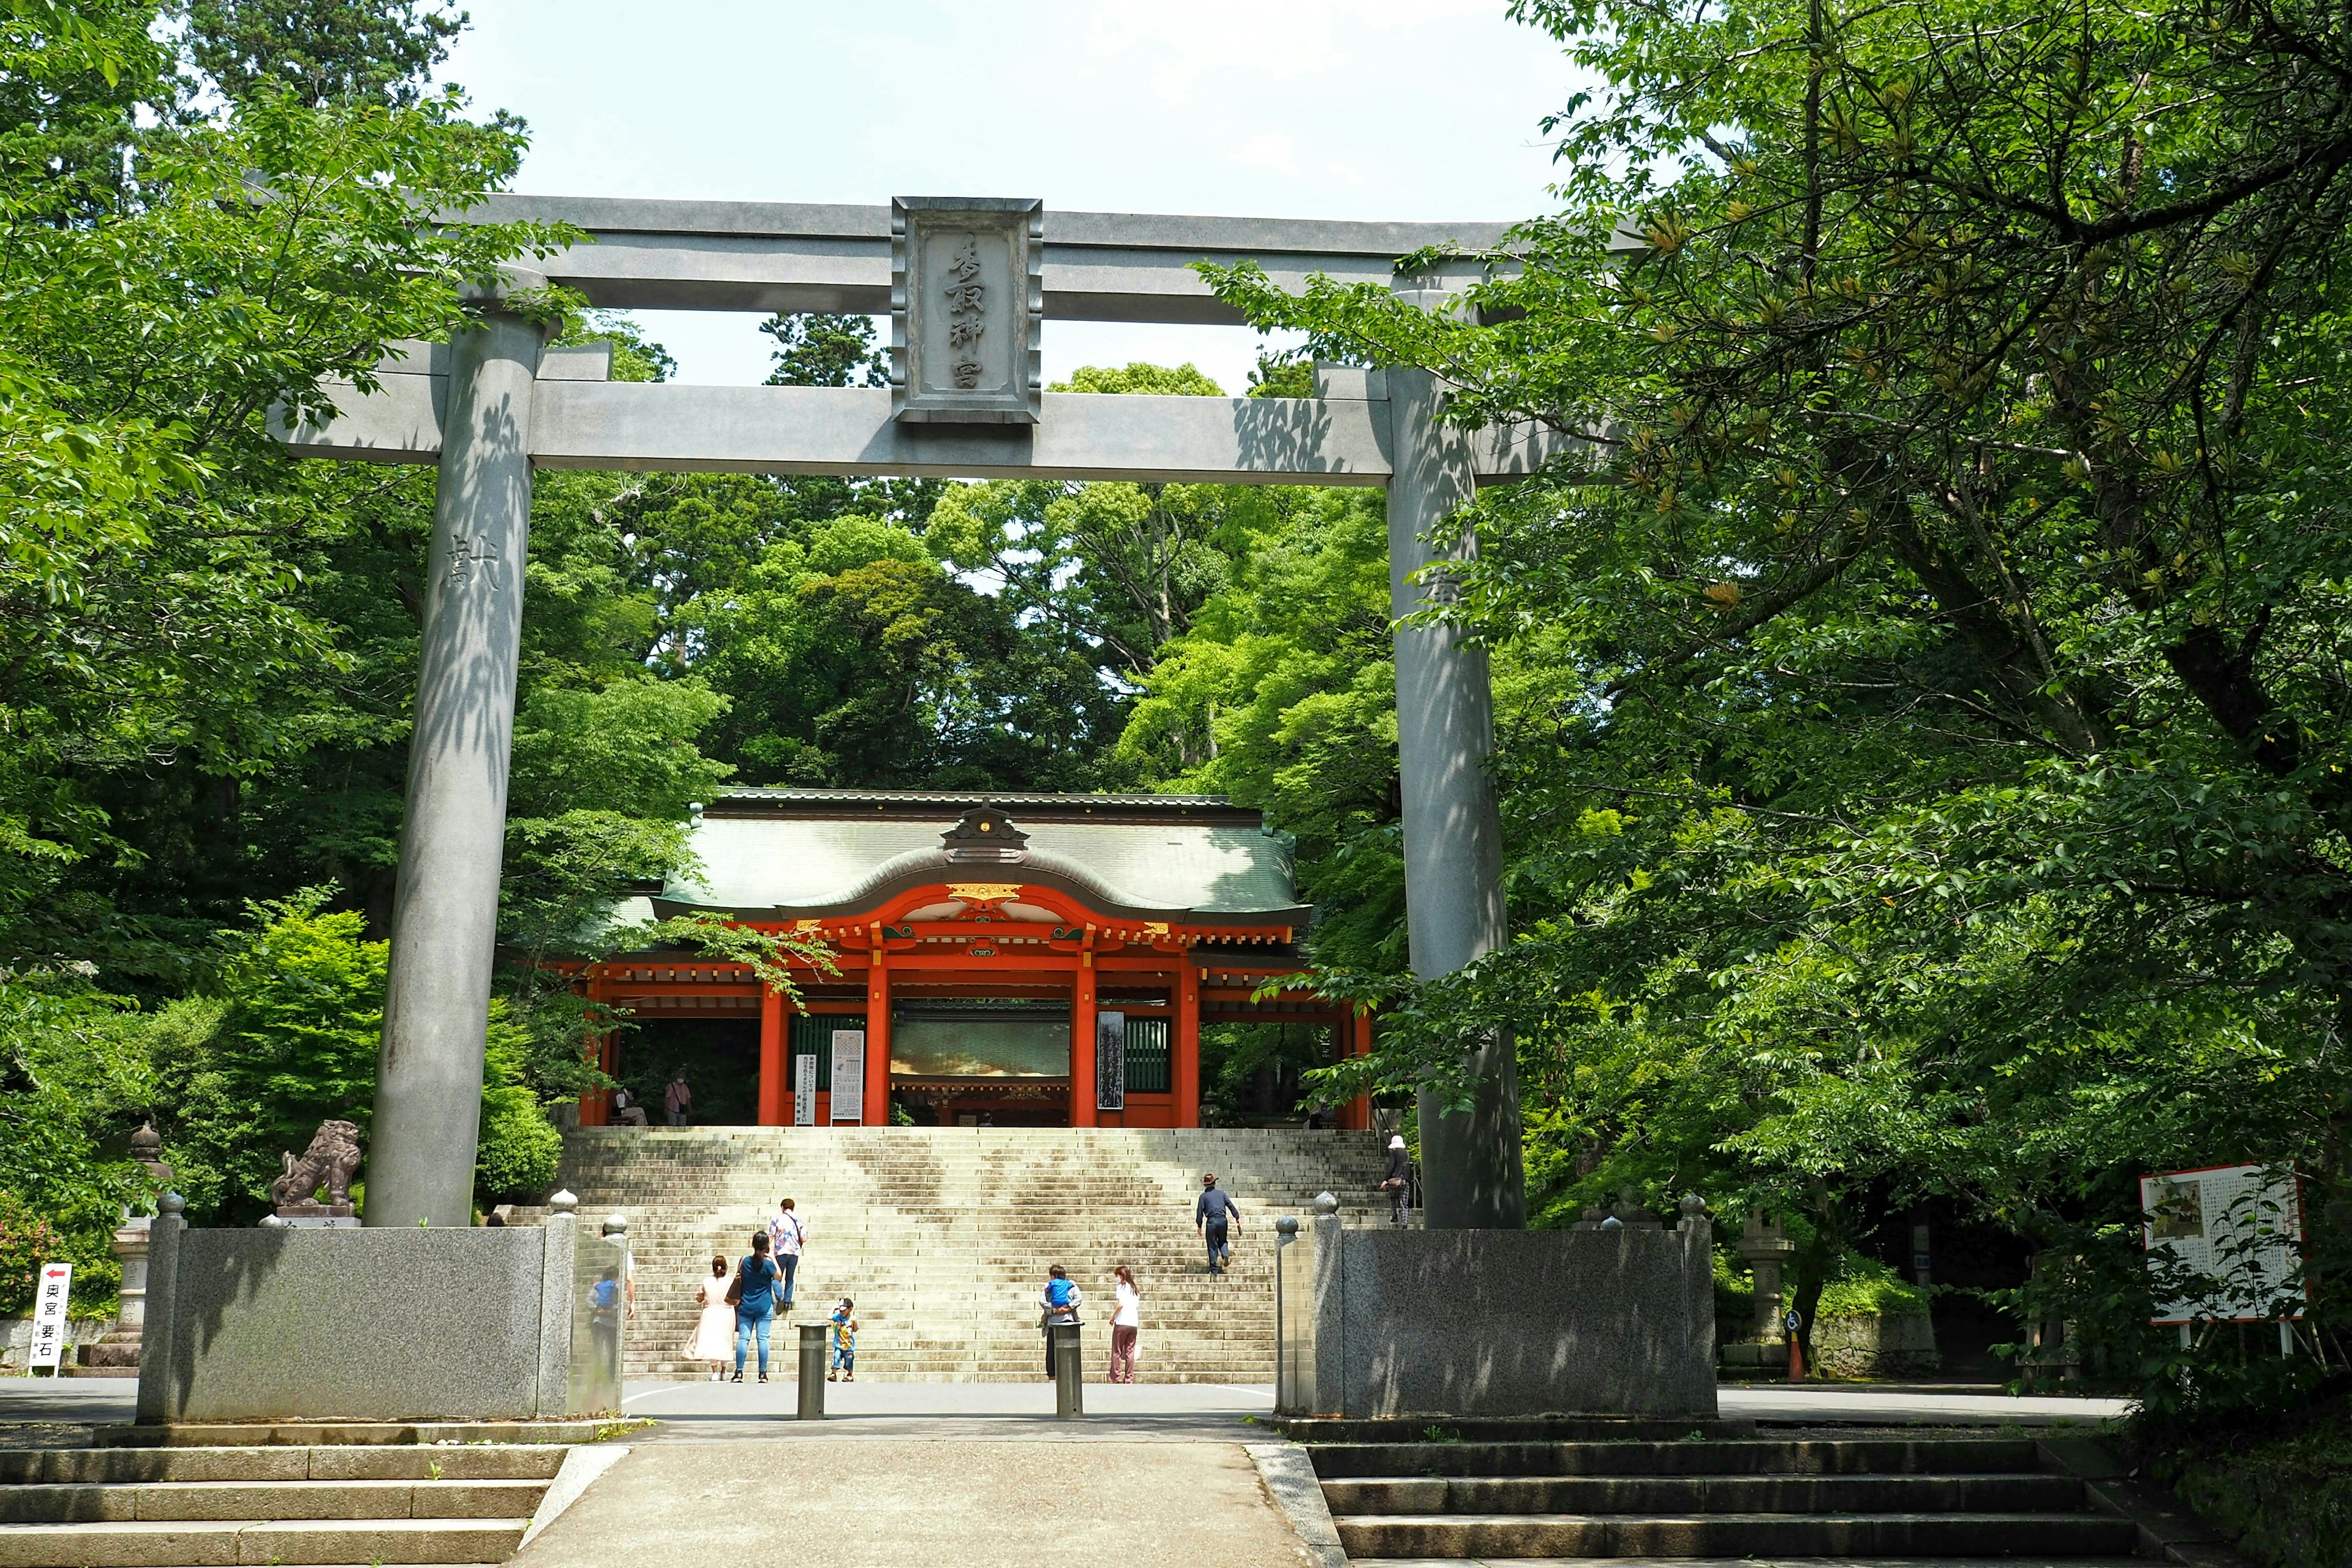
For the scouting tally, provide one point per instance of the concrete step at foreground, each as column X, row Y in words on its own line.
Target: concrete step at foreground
column 1707, row 1494
column 1871, row 1456
column 269, row 1499
column 352, row 1462
column 1479, row 1536
column 161, row 1544
column 195, row 1507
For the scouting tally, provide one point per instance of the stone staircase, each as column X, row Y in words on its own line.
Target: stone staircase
column 942, row 1236
column 1880, row 1498
column 175, row 1508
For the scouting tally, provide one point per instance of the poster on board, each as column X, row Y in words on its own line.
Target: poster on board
column 1111, row 1061
column 2240, row 1227
column 804, row 1090
column 849, row 1074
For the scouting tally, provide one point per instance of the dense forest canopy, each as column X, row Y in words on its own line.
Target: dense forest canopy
column 1925, row 692
column 1922, row 695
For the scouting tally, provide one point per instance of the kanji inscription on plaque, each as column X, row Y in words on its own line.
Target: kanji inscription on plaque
column 967, row 301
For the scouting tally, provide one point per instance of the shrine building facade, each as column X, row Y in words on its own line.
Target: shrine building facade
column 1014, row 960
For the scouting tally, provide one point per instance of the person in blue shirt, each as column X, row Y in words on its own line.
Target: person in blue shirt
column 1058, row 1304
column 755, row 1302
column 1218, row 1218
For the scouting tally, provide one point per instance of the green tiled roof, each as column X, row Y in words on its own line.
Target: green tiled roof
column 811, row 849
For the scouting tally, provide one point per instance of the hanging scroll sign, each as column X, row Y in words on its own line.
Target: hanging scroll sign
column 967, row 303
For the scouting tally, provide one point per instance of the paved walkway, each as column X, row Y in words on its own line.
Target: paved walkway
column 1152, row 1411
column 843, row 1503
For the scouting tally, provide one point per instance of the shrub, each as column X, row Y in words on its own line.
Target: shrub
column 1865, row 1288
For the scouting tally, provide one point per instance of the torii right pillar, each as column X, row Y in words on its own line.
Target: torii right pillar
column 1473, row 1176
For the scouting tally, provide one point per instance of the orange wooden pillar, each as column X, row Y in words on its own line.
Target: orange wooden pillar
column 596, row 1110
column 1187, row 1077
column 1359, row 1109
column 775, row 1092
column 1082, row 1037
column 876, row 1099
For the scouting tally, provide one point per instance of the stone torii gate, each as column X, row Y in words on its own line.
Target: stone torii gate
column 968, row 284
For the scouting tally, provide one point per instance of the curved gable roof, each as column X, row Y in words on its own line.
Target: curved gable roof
column 805, row 853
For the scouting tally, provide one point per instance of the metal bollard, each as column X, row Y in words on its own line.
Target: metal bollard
column 812, row 1337
column 1069, row 1373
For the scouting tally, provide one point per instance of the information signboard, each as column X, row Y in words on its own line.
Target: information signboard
column 804, row 1090
column 849, row 1074
column 51, row 1291
column 1111, row 1061
column 2239, row 1228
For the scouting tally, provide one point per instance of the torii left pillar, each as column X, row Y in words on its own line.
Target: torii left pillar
column 428, row 1097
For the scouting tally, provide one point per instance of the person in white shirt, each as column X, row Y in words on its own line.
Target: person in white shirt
column 786, row 1235
column 1124, row 1321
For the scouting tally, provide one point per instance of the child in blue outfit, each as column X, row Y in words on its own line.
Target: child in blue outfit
column 844, row 1343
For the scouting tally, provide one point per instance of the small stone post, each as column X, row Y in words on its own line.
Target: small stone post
column 812, row 1390
column 157, row 1393
column 1069, row 1372
column 1472, row 1173
column 1327, row 1311
column 446, row 909
column 560, row 1245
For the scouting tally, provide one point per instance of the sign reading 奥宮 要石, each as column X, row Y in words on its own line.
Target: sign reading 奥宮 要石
column 967, row 304
column 51, row 1290
column 2237, row 1231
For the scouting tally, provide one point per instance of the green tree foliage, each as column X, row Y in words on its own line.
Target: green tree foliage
column 69, row 1071
column 1122, row 566
column 285, row 1037
column 1926, row 774
column 320, row 52
column 165, row 280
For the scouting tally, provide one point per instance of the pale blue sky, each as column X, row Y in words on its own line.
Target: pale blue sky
column 1374, row 108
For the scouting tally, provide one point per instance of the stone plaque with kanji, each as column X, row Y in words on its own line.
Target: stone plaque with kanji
column 967, row 300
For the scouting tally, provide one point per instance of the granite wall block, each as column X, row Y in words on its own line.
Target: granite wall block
column 381, row 1324
column 1504, row 1323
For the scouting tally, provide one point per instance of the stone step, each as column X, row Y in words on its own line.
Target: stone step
column 138, row 1543
column 1707, row 1494
column 1479, row 1536
column 303, row 1499
column 377, row 1462
column 1962, row 1456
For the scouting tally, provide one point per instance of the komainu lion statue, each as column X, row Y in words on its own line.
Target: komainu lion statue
column 332, row 1159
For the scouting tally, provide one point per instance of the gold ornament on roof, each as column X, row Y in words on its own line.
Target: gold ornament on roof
column 983, row 892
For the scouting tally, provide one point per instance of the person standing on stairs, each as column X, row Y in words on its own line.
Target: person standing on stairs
column 1398, row 1178
column 1218, row 1218
column 1058, row 1304
column 786, row 1236
column 678, row 1101
column 714, row 1326
column 1124, row 1323
column 754, row 1295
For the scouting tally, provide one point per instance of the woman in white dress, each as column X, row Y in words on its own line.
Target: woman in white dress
column 713, row 1339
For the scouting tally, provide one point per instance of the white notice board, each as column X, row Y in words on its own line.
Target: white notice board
column 2242, row 1225
column 50, row 1293
column 804, row 1090
column 849, row 1074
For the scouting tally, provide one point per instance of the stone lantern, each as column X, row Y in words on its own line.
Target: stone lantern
column 1766, row 1249
column 116, row 1355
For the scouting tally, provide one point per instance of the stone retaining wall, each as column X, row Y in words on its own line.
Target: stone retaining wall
column 1498, row 1322
column 371, row 1325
